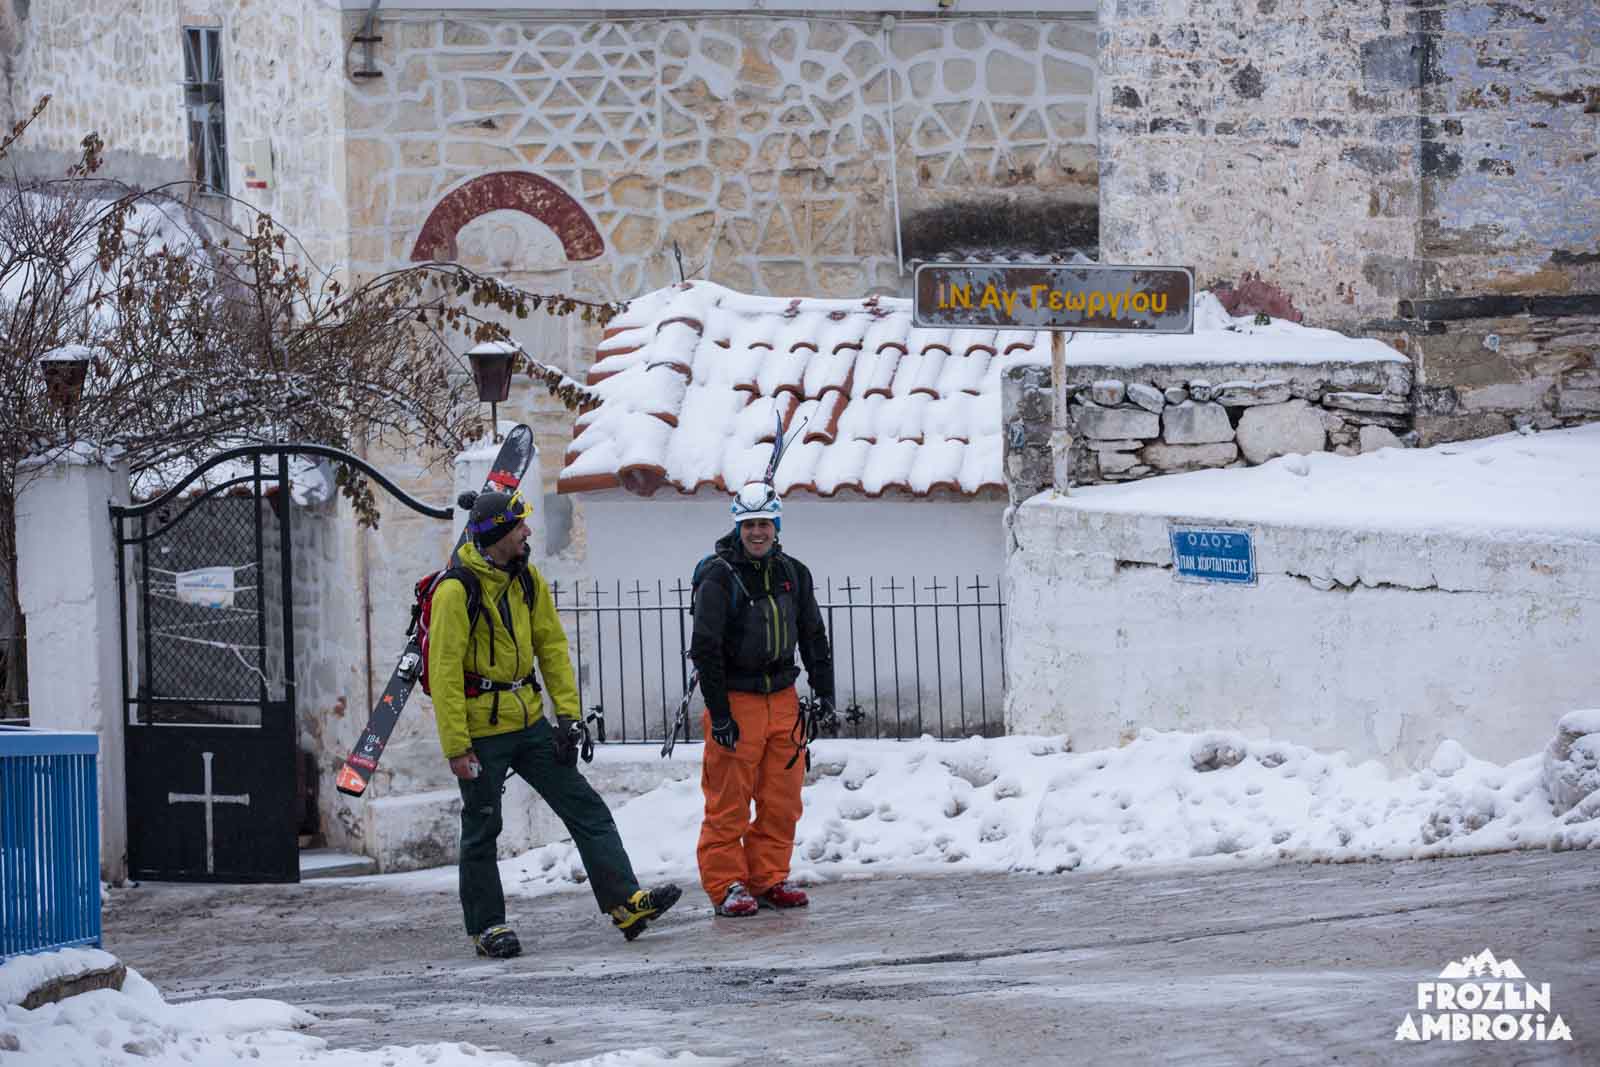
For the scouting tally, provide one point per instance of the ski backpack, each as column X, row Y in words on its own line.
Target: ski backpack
column 422, row 617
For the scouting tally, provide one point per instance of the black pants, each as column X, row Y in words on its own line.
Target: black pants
column 531, row 753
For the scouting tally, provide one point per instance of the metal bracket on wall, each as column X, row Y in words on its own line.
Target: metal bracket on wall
column 366, row 39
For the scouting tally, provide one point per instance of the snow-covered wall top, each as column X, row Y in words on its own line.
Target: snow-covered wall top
column 691, row 376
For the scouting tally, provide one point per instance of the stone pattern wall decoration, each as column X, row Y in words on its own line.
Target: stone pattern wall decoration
column 760, row 146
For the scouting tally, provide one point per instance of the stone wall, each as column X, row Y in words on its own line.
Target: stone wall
column 761, row 146
column 117, row 69
column 1164, row 418
column 1423, row 172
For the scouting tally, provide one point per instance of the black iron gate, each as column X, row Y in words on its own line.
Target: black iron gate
column 208, row 670
column 209, row 681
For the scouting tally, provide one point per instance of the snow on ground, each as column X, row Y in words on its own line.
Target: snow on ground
column 1028, row 804
column 136, row 1026
column 1006, row 804
column 1526, row 486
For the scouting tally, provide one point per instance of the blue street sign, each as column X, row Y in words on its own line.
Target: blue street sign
column 1213, row 554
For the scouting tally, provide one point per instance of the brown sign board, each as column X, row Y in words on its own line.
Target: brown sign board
column 1054, row 296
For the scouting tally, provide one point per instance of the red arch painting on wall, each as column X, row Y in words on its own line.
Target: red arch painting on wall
column 508, row 190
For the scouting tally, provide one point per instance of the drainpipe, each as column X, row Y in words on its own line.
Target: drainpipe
column 894, row 167
column 366, row 39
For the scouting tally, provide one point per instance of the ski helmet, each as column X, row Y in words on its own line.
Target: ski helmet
column 491, row 516
column 757, row 500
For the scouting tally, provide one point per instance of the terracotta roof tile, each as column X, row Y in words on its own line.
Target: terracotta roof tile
column 690, row 378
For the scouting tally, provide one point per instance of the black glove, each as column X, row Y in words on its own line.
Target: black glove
column 725, row 732
column 569, row 739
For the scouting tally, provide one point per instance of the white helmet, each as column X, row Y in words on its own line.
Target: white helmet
column 757, row 500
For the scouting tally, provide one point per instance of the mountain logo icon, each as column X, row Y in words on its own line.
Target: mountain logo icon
column 1483, row 965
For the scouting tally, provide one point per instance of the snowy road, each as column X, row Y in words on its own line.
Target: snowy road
column 1288, row 963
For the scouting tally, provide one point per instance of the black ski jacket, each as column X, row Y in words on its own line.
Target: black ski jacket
column 746, row 631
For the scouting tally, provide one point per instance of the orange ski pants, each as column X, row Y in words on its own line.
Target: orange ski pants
column 734, row 847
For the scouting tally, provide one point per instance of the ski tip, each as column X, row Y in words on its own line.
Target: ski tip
column 350, row 783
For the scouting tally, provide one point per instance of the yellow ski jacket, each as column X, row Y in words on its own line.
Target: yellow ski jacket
column 496, row 651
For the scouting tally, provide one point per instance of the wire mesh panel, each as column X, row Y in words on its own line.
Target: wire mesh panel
column 202, row 632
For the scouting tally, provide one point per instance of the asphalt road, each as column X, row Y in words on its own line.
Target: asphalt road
column 1246, row 965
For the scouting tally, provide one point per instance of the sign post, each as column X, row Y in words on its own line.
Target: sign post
column 1060, row 298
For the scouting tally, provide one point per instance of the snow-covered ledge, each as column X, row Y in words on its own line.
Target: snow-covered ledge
column 1403, row 598
column 67, row 589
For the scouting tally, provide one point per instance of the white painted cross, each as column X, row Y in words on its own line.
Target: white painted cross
column 209, row 799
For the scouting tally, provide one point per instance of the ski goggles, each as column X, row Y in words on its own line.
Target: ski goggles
column 515, row 511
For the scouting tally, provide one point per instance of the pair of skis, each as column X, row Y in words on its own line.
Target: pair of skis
column 506, row 474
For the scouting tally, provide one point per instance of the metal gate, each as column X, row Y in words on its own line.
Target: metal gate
column 208, row 670
column 210, row 732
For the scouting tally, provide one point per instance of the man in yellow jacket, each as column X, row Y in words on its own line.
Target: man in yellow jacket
column 491, row 722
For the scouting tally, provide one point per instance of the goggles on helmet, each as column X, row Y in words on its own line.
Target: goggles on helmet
column 515, row 511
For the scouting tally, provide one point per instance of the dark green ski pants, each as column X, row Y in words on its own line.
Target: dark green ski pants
column 531, row 753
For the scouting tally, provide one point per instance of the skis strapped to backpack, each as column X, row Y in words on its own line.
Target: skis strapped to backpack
column 510, row 465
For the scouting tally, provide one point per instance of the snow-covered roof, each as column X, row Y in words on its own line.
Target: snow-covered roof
column 691, row 375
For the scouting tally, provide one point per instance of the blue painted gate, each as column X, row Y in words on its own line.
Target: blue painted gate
column 49, row 840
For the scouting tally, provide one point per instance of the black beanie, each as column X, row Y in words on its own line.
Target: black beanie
column 482, row 509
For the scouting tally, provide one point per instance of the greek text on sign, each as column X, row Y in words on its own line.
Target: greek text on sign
column 1210, row 554
column 1045, row 296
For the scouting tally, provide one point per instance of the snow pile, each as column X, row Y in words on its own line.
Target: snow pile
column 19, row 977
column 1027, row 804
column 1572, row 766
column 136, row 1026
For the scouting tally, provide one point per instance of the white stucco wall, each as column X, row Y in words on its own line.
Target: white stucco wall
column 1381, row 643
column 902, row 540
column 67, row 587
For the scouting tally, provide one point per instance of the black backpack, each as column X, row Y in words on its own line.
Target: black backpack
column 703, row 568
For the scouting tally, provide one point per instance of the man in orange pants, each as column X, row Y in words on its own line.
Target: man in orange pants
column 753, row 605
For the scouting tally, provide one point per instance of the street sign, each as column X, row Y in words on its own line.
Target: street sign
column 1051, row 296
column 1213, row 554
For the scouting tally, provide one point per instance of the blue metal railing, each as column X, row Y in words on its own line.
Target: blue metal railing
column 49, row 840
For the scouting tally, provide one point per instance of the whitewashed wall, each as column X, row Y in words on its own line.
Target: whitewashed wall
column 1376, row 642
column 901, row 540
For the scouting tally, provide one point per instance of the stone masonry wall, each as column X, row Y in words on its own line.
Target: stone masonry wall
column 117, row 69
column 1162, row 419
column 760, row 146
column 1423, row 172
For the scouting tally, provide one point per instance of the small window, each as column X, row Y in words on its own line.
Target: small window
column 203, row 107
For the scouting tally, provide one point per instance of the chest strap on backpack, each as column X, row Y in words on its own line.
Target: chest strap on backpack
column 478, row 685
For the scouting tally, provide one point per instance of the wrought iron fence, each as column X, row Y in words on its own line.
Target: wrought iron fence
column 912, row 656
column 49, row 841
